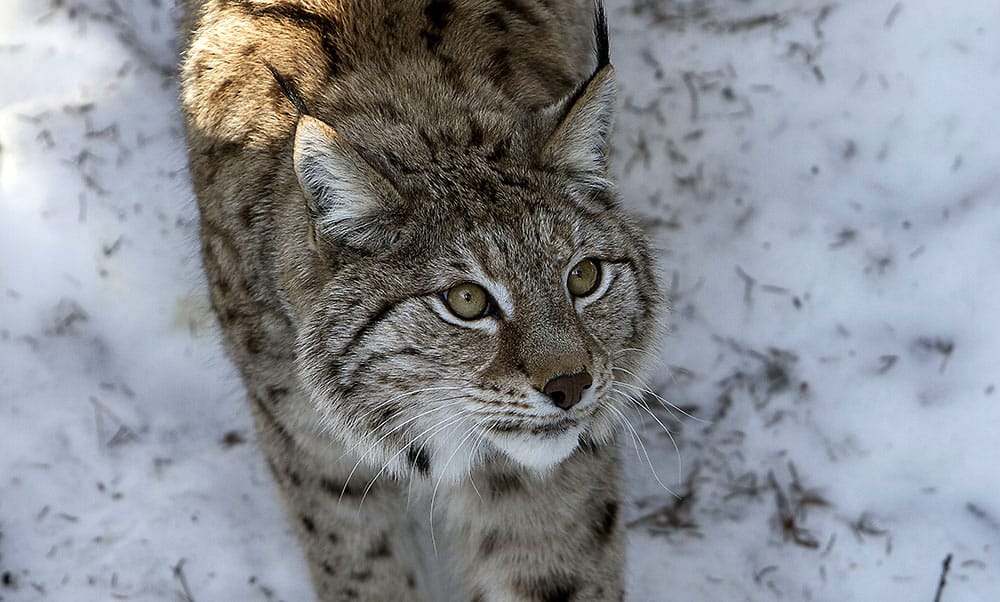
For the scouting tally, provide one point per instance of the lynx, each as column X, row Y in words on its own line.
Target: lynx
column 424, row 277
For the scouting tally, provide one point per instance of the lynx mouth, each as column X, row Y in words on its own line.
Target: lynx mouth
column 544, row 429
column 553, row 429
column 538, row 446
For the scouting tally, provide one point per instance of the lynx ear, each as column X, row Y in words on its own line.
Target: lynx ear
column 582, row 139
column 349, row 202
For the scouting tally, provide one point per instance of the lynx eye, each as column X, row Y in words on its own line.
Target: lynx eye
column 467, row 301
column 584, row 278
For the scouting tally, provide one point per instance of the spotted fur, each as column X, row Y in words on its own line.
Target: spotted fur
column 353, row 160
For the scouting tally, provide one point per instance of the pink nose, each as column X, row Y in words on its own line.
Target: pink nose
column 565, row 391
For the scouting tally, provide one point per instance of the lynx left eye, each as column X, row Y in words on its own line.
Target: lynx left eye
column 584, row 278
column 467, row 300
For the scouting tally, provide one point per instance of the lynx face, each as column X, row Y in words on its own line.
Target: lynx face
column 487, row 295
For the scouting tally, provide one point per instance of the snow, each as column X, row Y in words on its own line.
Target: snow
column 822, row 183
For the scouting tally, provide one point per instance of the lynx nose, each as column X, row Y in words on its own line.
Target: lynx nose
column 565, row 391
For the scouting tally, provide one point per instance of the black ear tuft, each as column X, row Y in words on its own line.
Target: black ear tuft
column 289, row 90
column 602, row 51
column 580, row 139
column 602, row 47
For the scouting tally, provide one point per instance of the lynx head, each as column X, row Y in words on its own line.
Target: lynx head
column 486, row 295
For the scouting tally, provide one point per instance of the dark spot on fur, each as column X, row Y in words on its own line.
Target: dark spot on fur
column 363, row 575
column 504, row 483
column 410, row 351
column 447, row 137
column 294, row 478
column 499, row 152
column 548, row 589
column 500, row 65
column 333, row 538
column 514, row 181
column 246, row 216
column 606, row 521
column 308, row 524
column 222, row 149
column 350, row 593
column 411, row 581
column 221, row 284
column 478, row 597
column 347, row 390
column 298, row 16
column 220, row 91
column 249, row 49
column 253, row 342
column 335, row 488
column 496, row 21
column 420, row 458
column 217, row 151
column 391, row 25
column 380, row 548
column 489, row 543
column 437, row 13
column 454, row 74
column 201, row 69
column 523, row 11
column 328, row 569
column 490, row 190
column 476, row 133
column 276, row 394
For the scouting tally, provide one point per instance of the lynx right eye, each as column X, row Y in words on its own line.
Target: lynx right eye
column 467, row 301
column 584, row 278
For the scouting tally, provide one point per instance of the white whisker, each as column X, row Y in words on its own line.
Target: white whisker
column 680, row 471
column 444, row 470
column 649, row 461
column 633, row 435
column 666, row 403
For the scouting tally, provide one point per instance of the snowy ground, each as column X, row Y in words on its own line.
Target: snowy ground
column 823, row 181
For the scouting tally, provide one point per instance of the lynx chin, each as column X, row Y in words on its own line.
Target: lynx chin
column 422, row 272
